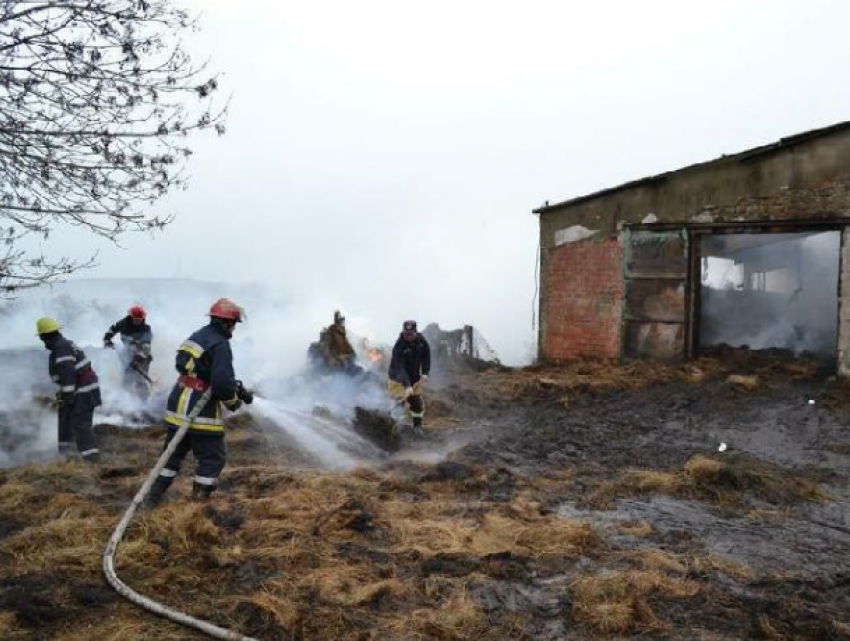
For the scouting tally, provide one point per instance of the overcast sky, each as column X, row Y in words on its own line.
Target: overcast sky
column 384, row 156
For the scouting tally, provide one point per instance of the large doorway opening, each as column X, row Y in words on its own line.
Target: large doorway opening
column 770, row 290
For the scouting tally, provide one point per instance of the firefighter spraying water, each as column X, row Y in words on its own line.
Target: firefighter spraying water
column 205, row 363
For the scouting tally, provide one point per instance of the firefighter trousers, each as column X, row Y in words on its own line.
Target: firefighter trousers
column 75, row 427
column 208, row 450
column 415, row 404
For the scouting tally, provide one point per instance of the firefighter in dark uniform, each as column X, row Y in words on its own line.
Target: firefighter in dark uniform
column 79, row 391
column 409, row 369
column 204, row 361
column 137, row 337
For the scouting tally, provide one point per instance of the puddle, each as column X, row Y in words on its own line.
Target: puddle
column 786, row 545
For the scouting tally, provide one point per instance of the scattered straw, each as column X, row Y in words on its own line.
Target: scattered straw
column 615, row 602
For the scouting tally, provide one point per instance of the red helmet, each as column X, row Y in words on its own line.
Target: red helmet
column 137, row 311
column 226, row 309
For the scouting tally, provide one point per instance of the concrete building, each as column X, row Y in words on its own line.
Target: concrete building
column 748, row 249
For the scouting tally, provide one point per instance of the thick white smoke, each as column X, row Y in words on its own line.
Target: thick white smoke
column 771, row 290
column 269, row 352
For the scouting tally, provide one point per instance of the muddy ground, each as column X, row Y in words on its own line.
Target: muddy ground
column 582, row 502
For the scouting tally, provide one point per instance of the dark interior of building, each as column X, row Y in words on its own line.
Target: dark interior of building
column 770, row 290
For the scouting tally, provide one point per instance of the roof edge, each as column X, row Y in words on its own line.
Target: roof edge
column 742, row 156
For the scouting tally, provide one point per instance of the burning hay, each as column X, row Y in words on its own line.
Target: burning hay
column 333, row 351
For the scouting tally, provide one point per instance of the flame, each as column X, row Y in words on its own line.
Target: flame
column 374, row 355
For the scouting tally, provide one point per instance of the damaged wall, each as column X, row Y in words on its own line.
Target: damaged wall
column 802, row 178
column 582, row 305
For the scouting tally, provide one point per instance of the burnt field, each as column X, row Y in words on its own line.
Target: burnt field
column 581, row 502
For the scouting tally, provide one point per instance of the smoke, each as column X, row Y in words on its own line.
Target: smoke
column 771, row 290
column 269, row 352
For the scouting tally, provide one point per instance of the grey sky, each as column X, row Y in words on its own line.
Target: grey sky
column 384, row 155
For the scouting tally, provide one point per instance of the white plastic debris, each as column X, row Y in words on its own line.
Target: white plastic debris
column 811, row 401
column 722, row 447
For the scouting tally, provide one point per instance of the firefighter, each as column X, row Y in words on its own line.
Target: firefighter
column 79, row 391
column 137, row 337
column 203, row 361
column 409, row 369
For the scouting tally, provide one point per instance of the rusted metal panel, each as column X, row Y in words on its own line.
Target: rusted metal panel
column 658, row 341
column 655, row 300
column 655, row 310
column 652, row 254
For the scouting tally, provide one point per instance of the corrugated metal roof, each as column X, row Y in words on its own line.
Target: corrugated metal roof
column 744, row 156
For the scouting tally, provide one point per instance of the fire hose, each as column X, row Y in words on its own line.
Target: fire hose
column 109, row 553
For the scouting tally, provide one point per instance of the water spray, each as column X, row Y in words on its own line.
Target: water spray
column 317, row 435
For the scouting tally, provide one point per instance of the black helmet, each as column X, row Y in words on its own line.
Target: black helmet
column 409, row 329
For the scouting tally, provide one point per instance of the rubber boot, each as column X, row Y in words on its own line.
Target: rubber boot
column 418, row 432
column 202, row 492
column 157, row 492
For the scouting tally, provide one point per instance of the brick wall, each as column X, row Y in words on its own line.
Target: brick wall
column 582, row 301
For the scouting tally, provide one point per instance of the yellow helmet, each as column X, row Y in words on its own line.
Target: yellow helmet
column 47, row 325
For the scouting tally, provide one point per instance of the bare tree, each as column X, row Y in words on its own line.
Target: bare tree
column 96, row 100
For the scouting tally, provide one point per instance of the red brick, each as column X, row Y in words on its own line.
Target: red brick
column 583, row 301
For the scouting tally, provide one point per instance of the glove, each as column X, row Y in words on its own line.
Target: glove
column 408, row 393
column 423, row 379
column 233, row 405
column 107, row 342
column 244, row 395
column 63, row 399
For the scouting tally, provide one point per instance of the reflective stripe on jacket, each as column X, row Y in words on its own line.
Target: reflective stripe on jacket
column 204, row 356
column 72, row 371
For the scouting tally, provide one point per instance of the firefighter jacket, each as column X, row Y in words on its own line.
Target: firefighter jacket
column 72, row 371
column 204, row 360
column 410, row 360
column 136, row 337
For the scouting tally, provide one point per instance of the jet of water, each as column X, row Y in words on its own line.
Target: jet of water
column 335, row 445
